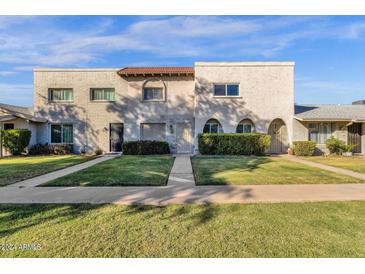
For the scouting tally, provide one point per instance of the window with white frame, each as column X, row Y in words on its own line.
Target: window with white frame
column 319, row 132
column 212, row 126
column 226, row 90
column 102, row 94
column 62, row 134
column 245, row 126
column 61, row 94
column 153, row 94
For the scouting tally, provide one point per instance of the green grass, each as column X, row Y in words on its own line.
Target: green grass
column 15, row 169
column 121, row 171
column 354, row 163
column 328, row 229
column 240, row 170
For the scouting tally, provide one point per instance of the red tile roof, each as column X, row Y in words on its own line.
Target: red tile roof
column 131, row 71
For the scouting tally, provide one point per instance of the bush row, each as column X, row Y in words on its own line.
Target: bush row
column 234, row 143
column 145, row 148
column 48, row 149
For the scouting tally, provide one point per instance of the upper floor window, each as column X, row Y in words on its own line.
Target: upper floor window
column 62, row 134
column 319, row 132
column 61, row 94
column 102, row 94
column 226, row 90
column 153, row 94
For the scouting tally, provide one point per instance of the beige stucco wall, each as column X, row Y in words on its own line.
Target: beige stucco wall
column 91, row 119
column 339, row 130
column 266, row 93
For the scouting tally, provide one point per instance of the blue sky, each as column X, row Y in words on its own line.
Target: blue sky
column 329, row 51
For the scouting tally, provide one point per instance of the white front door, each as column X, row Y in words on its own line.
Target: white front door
column 183, row 137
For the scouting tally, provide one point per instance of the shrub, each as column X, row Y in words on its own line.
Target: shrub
column 40, row 149
column 348, row 148
column 145, row 147
column 47, row 149
column 61, row 149
column 16, row 140
column 98, row 151
column 304, row 148
column 234, row 143
column 336, row 146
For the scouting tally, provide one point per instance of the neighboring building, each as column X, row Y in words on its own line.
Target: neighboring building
column 100, row 108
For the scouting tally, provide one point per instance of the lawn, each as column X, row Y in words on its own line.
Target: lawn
column 121, row 171
column 240, row 170
column 327, row 229
column 15, row 169
column 354, row 163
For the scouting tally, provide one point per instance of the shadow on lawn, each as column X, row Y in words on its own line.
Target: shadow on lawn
column 21, row 217
column 209, row 166
column 204, row 214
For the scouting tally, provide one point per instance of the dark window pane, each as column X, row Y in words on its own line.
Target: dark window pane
column 313, row 136
column 247, row 129
column 213, row 128
column 219, row 90
column 56, row 134
column 8, row 126
column 232, row 90
column 147, row 94
column 239, row 129
column 206, row 128
column 67, row 134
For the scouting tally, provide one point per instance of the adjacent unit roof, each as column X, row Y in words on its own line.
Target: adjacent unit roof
column 156, row 71
column 21, row 112
column 330, row 112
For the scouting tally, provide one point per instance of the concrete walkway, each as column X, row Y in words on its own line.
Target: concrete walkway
column 325, row 167
column 182, row 172
column 39, row 180
column 180, row 189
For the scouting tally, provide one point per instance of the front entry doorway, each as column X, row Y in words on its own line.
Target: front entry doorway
column 279, row 137
column 116, row 137
column 183, row 137
column 354, row 137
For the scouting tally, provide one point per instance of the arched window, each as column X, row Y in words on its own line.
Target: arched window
column 212, row 126
column 154, row 90
column 245, row 126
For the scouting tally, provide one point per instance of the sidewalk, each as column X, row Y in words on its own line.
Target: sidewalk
column 325, row 167
column 182, row 194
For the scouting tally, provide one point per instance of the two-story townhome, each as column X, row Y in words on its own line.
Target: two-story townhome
column 101, row 108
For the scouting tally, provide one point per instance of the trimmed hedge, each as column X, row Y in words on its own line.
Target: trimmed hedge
column 234, row 143
column 304, row 148
column 145, row 147
column 16, row 140
column 47, row 149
